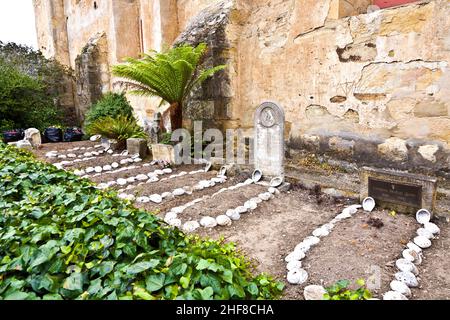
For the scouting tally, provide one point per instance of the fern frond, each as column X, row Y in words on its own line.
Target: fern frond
column 170, row 75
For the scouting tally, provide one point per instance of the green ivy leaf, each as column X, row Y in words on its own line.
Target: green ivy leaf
column 203, row 264
column 74, row 282
column 105, row 267
column 235, row 291
column 367, row 294
column 73, row 234
column 211, row 280
column 179, row 269
column 342, row 284
column 95, row 287
column 206, row 293
column 44, row 254
column 66, row 249
column 227, row 276
column 184, row 281
column 252, row 288
column 16, row 295
column 155, row 282
column 141, row 266
column 360, row 282
column 52, row 296
column 141, row 293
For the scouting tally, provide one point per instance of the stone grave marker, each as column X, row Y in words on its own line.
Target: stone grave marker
column 137, row 146
column 269, row 139
column 396, row 190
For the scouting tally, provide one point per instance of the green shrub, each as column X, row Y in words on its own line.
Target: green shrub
column 340, row 291
column 119, row 128
column 166, row 138
column 24, row 102
column 53, row 79
column 6, row 124
column 61, row 238
column 111, row 105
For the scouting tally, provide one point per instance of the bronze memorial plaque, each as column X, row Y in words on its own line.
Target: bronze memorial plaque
column 398, row 193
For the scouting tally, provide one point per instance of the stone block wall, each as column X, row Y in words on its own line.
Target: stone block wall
column 92, row 73
column 210, row 103
column 369, row 88
column 130, row 27
column 364, row 88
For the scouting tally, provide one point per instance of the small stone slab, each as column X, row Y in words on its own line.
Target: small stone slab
column 400, row 191
column 137, row 146
column 314, row 292
column 163, row 152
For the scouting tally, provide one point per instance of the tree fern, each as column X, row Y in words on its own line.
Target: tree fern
column 170, row 75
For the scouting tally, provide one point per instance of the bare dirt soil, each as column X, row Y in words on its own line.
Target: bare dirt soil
column 62, row 148
column 355, row 249
column 188, row 180
column 142, row 190
column 269, row 233
column 434, row 280
column 276, row 227
column 221, row 202
column 166, row 205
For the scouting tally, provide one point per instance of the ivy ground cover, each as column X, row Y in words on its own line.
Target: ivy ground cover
column 61, row 238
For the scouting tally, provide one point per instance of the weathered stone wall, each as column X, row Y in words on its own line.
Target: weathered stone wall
column 52, row 33
column 92, row 73
column 187, row 9
column 346, row 8
column 370, row 87
column 130, row 27
column 366, row 87
column 210, row 103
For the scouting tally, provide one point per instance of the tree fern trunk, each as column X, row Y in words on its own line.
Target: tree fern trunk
column 176, row 116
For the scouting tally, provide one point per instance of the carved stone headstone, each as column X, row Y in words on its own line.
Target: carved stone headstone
column 269, row 139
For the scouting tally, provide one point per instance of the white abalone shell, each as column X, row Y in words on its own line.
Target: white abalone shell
column 423, row 215
column 394, row 295
column 368, row 204
column 422, row 242
column 297, row 276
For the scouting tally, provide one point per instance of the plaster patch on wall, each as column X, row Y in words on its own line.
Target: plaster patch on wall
column 316, row 111
column 428, row 152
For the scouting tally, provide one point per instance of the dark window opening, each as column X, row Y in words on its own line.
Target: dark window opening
column 95, row 5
